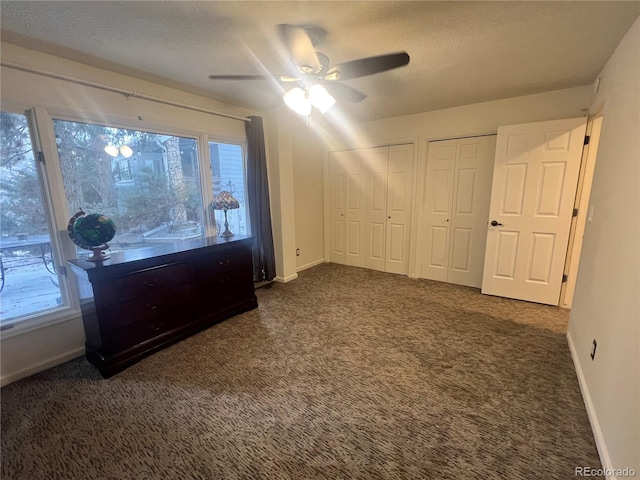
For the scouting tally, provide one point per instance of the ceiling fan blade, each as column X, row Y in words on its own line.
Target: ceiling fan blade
column 281, row 78
column 344, row 93
column 301, row 47
column 368, row 66
column 239, row 77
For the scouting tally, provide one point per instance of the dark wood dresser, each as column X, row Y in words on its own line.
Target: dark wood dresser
column 142, row 300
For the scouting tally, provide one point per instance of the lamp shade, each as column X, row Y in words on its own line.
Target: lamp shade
column 297, row 100
column 320, row 98
column 224, row 201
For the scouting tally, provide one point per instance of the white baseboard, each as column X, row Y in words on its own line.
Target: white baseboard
column 286, row 279
column 593, row 417
column 309, row 265
column 41, row 366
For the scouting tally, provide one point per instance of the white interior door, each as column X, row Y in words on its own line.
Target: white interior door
column 356, row 206
column 399, row 190
column 441, row 160
column 376, row 205
column 470, row 209
column 336, row 204
column 533, row 191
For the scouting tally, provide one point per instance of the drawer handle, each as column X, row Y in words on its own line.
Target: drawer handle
column 225, row 262
column 152, row 306
column 151, row 283
column 157, row 327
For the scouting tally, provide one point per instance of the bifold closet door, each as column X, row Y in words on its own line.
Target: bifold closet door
column 358, row 185
column 375, row 193
column 399, row 198
column 369, row 203
column 458, row 192
column 336, row 202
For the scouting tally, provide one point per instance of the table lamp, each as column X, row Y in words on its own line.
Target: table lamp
column 225, row 201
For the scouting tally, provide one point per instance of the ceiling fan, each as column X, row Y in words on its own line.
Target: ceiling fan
column 316, row 82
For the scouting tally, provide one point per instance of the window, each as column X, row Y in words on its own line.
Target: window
column 147, row 183
column 228, row 173
column 29, row 283
column 122, row 171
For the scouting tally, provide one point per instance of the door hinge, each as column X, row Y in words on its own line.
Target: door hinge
column 564, row 279
column 62, row 269
column 575, row 212
column 41, row 157
column 586, row 139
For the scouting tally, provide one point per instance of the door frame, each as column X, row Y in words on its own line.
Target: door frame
column 581, row 203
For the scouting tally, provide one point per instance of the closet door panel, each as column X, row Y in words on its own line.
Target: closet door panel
column 399, row 197
column 376, row 227
column 471, row 198
column 461, row 249
column 336, row 202
column 437, row 212
column 356, row 207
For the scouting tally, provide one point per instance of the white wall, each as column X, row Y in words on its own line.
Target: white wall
column 24, row 349
column 476, row 119
column 281, row 194
column 606, row 305
column 307, row 183
column 338, row 133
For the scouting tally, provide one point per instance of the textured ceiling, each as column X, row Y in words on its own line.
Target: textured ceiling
column 461, row 52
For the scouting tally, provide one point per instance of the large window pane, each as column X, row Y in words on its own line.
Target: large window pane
column 29, row 283
column 147, row 183
column 228, row 173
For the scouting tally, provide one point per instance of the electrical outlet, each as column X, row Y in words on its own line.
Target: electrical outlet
column 593, row 349
column 297, row 252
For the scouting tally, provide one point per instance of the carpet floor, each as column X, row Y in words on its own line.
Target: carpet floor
column 345, row 373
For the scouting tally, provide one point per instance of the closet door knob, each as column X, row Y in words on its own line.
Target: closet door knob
column 495, row 223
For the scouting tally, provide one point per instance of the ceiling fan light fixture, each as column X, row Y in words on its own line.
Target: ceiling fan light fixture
column 298, row 101
column 125, row 151
column 111, row 150
column 320, row 98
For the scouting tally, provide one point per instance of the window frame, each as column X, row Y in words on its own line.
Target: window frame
column 243, row 148
column 70, row 303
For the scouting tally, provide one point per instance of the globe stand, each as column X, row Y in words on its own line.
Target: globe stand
column 98, row 255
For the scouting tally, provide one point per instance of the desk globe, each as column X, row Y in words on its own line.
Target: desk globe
column 92, row 232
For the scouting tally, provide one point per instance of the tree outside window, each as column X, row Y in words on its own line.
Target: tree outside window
column 147, row 183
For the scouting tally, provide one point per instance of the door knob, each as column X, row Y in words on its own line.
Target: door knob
column 495, row 224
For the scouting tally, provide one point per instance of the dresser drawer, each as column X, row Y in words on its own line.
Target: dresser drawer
column 147, row 307
column 142, row 333
column 147, row 281
column 209, row 267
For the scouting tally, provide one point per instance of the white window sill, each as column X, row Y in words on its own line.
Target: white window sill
column 35, row 322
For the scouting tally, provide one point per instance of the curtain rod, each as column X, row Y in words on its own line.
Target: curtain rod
column 126, row 93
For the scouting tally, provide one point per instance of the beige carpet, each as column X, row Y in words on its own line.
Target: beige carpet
column 344, row 373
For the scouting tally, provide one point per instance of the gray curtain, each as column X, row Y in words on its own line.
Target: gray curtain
column 264, row 263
